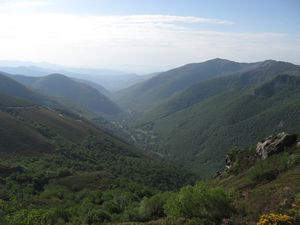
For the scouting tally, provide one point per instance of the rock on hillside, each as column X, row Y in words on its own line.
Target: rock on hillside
column 238, row 160
column 274, row 144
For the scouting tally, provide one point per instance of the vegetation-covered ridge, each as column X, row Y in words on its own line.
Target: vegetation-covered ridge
column 74, row 93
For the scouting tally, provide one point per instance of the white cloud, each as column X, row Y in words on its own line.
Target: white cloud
column 134, row 41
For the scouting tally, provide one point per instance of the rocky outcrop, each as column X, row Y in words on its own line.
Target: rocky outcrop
column 228, row 162
column 274, row 144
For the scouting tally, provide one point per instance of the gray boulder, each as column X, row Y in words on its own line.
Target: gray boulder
column 274, row 144
column 228, row 162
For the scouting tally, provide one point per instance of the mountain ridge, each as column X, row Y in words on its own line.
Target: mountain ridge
column 81, row 94
column 168, row 83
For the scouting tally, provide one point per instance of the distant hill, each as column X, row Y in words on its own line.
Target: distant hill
column 30, row 80
column 13, row 88
column 166, row 84
column 199, row 125
column 78, row 93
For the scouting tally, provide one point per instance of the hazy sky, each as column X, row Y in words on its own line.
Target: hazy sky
column 148, row 35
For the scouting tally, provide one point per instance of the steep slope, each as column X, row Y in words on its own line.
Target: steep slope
column 80, row 94
column 17, row 137
column 170, row 82
column 263, row 186
column 200, row 131
column 262, row 72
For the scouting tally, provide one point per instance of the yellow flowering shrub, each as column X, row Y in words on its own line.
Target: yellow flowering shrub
column 275, row 219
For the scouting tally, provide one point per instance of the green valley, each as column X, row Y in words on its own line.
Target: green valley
column 179, row 152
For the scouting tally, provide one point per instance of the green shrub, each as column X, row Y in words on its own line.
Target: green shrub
column 200, row 201
column 38, row 217
column 97, row 215
column 111, row 206
column 153, row 207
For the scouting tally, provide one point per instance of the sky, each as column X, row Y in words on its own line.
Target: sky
column 145, row 36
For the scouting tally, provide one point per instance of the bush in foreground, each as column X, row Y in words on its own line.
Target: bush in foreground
column 277, row 219
column 200, row 201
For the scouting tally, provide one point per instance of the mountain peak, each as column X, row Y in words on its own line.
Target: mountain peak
column 219, row 60
column 57, row 76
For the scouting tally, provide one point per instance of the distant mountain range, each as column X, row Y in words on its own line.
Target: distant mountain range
column 110, row 79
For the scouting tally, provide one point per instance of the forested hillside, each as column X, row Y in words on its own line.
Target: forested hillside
column 199, row 125
column 58, row 168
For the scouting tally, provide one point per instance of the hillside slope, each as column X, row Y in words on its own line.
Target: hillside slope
column 49, row 157
column 263, row 186
column 199, row 126
column 170, row 82
column 263, row 72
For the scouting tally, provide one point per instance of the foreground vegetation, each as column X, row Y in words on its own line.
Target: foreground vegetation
column 79, row 185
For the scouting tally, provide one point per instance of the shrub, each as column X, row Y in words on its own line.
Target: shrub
column 276, row 219
column 111, row 206
column 200, row 201
column 38, row 217
column 152, row 208
column 97, row 215
column 263, row 171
